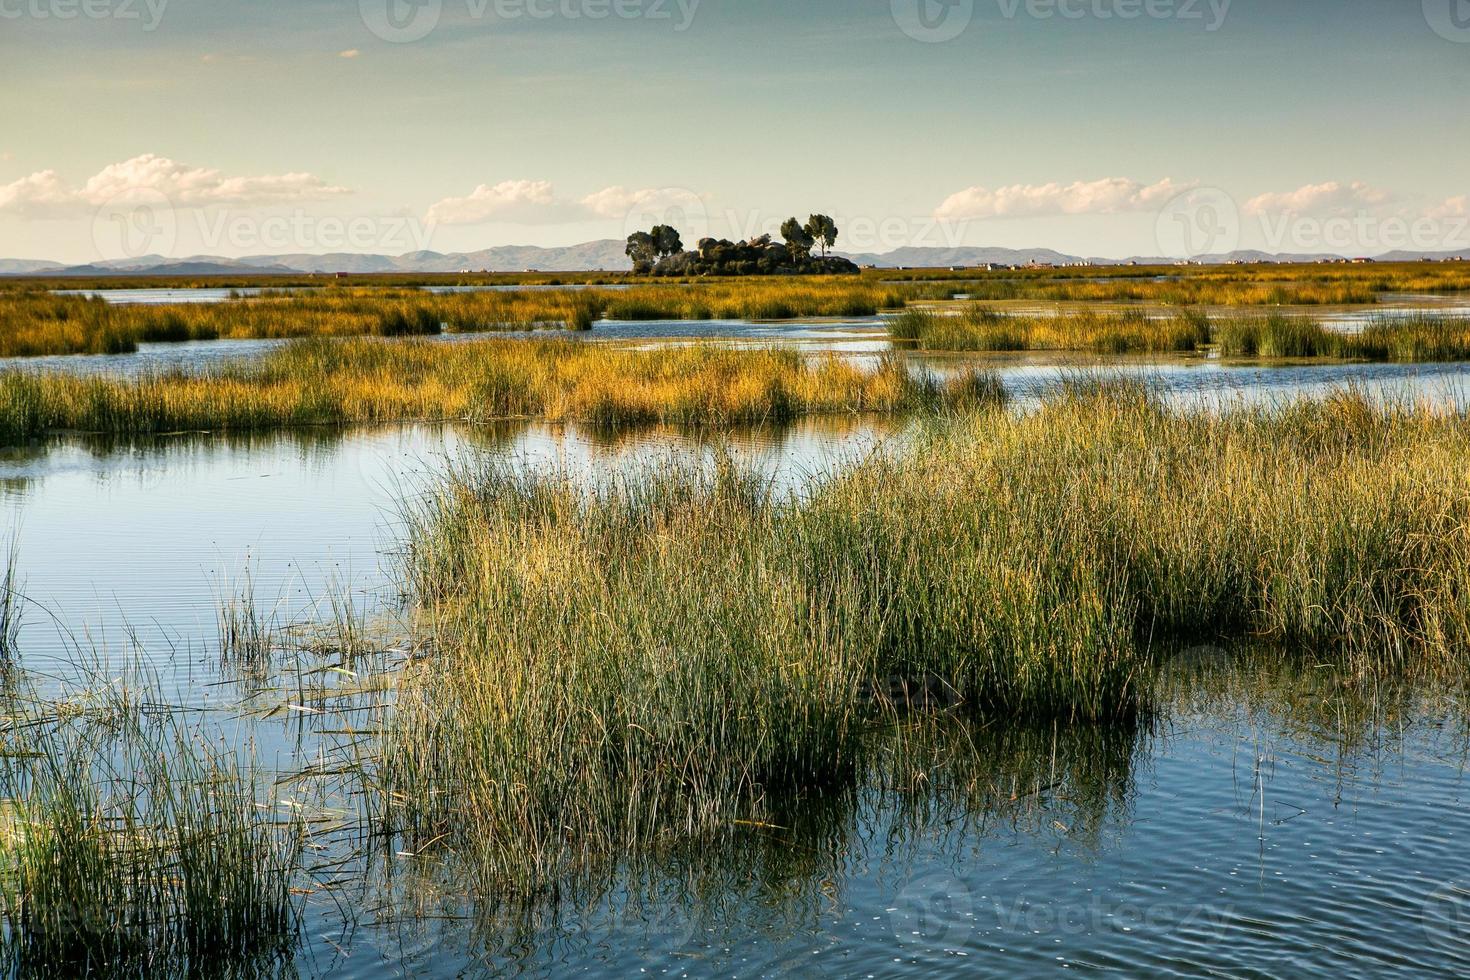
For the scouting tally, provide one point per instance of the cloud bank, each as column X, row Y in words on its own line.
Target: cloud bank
column 1111, row 195
column 536, row 202
column 145, row 178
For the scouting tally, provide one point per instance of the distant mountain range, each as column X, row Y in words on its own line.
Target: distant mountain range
column 606, row 254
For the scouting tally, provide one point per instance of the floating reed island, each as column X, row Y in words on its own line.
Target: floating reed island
column 682, row 652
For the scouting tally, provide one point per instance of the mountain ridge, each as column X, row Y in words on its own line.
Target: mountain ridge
column 608, row 255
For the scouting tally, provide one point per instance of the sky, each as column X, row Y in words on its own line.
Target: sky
column 1095, row 127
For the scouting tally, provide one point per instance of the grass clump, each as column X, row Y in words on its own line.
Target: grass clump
column 670, row 656
column 978, row 328
column 1417, row 338
column 11, row 600
column 128, row 847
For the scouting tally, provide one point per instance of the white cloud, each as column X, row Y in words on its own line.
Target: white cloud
column 34, row 195
column 536, row 202
column 147, row 177
column 518, row 201
column 1111, row 195
column 349, row 53
column 618, row 202
column 1330, row 198
column 1454, row 207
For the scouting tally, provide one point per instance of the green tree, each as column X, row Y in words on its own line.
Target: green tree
column 823, row 231
column 666, row 240
column 643, row 250
column 798, row 242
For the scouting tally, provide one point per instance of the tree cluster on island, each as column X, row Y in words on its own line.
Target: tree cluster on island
column 660, row 252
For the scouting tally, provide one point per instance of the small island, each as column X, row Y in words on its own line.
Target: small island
column 660, row 252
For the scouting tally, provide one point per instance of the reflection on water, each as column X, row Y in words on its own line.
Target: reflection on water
column 1274, row 818
column 169, row 297
column 859, row 336
column 527, row 288
column 1231, row 838
column 144, row 537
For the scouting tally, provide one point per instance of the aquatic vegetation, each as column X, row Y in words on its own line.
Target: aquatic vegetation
column 247, row 632
column 979, row 328
column 128, row 845
column 323, row 382
column 37, row 323
column 1270, row 284
column 11, row 601
column 672, row 655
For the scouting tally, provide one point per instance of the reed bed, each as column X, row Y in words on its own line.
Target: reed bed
column 980, row 329
column 1178, row 292
column 129, row 846
column 36, row 323
column 321, row 382
column 1419, row 338
column 41, row 323
column 763, row 299
column 679, row 653
column 1222, row 285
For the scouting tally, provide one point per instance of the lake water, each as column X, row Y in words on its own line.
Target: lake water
column 856, row 336
column 210, row 294
column 170, row 297
column 1275, row 819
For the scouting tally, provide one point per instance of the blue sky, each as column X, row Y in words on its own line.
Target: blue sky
column 1084, row 125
